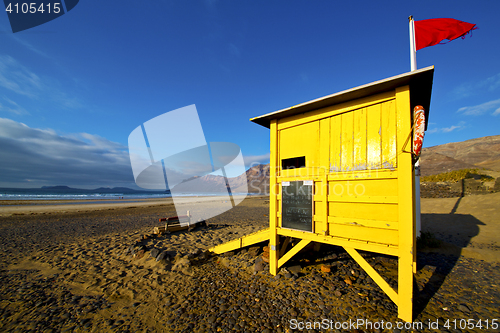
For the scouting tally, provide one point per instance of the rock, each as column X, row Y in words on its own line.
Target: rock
column 162, row 255
column 463, row 308
column 295, row 269
column 259, row 266
column 326, row 268
column 337, row 293
column 254, row 251
column 139, row 254
column 348, row 281
column 154, row 252
column 204, row 255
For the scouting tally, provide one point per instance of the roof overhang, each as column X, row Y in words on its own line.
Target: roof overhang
column 420, row 82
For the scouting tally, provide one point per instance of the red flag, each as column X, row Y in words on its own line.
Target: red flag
column 433, row 31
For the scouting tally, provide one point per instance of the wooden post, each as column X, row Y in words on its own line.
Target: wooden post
column 405, row 207
column 273, row 202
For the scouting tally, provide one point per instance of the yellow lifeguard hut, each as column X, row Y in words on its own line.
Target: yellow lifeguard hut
column 342, row 173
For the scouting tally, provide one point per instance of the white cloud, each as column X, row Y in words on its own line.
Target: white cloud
column 42, row 157
column 12, row 107
column 491, row 83
column 459, row 126
column 19, row 79
column 481, row 109
column 253, row 160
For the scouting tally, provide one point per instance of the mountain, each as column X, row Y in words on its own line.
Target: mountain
column 475, row 153
column 58, row 187
column 64, row 188
column 256, row 179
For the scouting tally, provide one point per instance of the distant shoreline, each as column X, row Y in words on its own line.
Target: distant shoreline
column 33, row 207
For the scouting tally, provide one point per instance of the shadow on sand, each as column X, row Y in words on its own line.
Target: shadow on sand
column 456, row 231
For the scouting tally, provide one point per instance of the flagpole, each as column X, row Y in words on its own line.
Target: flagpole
column 413, row 64
column 413, row 49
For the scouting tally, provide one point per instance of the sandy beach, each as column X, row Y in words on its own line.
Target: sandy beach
column 96, row 267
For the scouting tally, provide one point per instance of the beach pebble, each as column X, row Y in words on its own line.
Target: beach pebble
column 154, row 252
column 163, row 255
column 259, row 266
column 326, row 268
column 254, row 251
column 296, row 269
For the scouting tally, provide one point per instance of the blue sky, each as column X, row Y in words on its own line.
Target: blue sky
column 73, row 89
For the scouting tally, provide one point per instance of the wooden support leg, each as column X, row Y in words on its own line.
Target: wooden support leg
column 405, row 287
column 273, row 251
column 302, row 244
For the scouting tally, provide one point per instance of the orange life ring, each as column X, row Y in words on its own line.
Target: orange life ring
column 418, row 131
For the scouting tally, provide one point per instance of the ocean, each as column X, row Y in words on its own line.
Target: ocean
column 77, row 194
column 66, row 193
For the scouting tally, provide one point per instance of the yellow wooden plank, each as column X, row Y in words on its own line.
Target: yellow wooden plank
column 324, row 205
column 393, row 295
column 375, row 235
column 347, row 141
column 364, row 174
column 360, row 139
column 334, row 110
column 364, row 199
column 300, row 141
column 367, row 211
column 241, row 242
column 305, row 173
column 364, row 187
column 335, row 143
column 388, row 135
column 318, row 207
column 373, row 133
column 364, row 222
column 273, row 202
column 339, row 241
column 255, row 237
column 406, row 207
column 324, row 146
column 293, row 251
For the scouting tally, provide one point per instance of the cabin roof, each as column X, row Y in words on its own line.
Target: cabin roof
column 420, row 82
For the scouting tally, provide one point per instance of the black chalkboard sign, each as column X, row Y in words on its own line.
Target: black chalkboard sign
column 297, row 205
